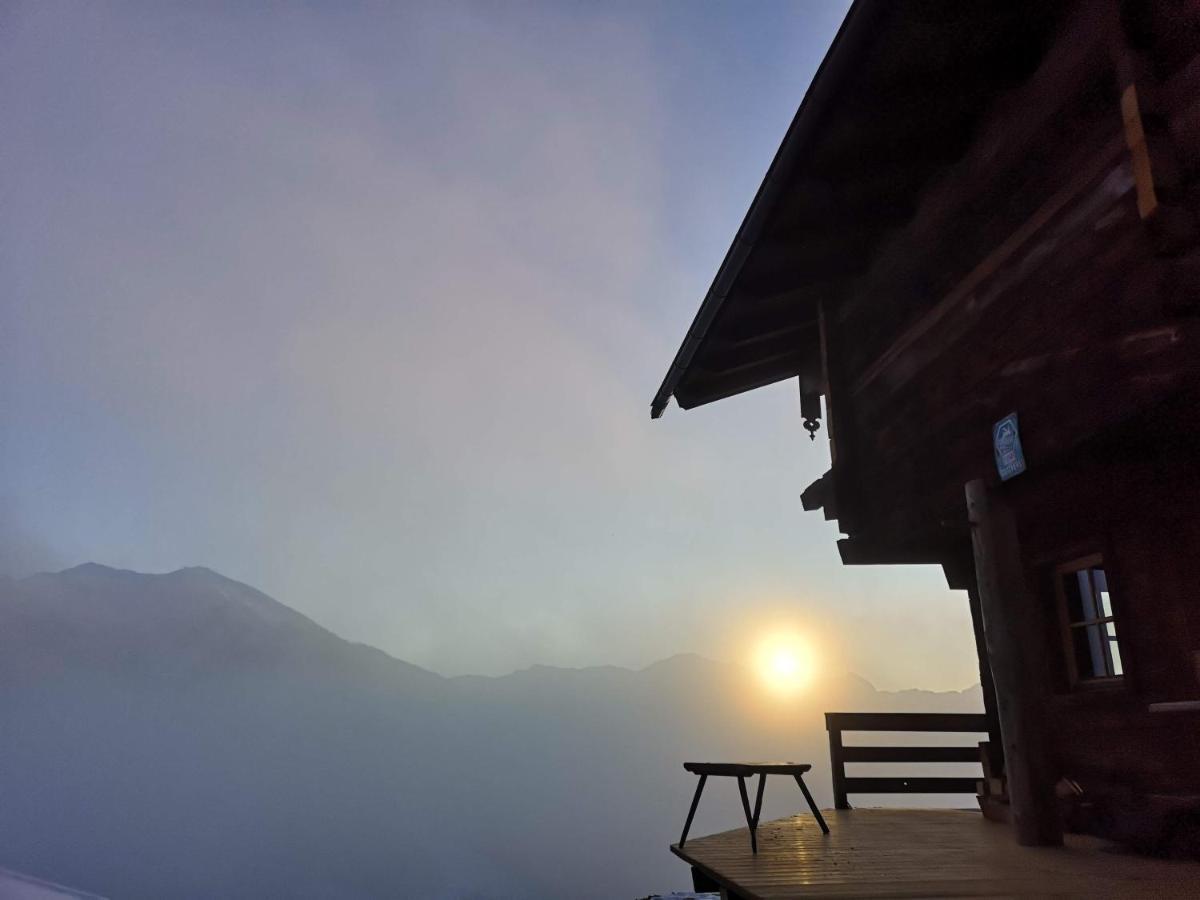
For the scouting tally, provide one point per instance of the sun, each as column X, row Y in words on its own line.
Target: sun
column 785, row 663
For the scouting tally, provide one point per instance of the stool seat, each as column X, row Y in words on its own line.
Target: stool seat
column 747, row 768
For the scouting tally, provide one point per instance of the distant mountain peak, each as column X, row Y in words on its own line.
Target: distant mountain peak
column 200, row 570
column 94, row 568
column 681, row 661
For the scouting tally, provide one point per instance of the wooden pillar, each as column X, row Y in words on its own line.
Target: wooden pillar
column 987, row 683
column 960, row 576
column 1014, row 639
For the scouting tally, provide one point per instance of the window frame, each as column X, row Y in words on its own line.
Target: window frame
column 1067, row 627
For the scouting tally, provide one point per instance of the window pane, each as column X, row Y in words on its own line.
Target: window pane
column 1086, row 595
column 1114, row 649
column 1071, row 589
column 1100, row 583
column 1089, row 651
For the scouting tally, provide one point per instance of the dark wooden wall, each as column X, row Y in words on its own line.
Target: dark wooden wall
column 1054, row 271
column 1142, row 516
column 1029, row 280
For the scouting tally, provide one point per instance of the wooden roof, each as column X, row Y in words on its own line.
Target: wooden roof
column 895, row 101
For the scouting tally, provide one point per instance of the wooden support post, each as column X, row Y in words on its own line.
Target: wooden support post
column 960, row 576
column 702, row 883
column 987, row 683
column 1013, row 636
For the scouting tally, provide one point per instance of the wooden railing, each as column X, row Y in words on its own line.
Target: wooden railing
column 839, row 754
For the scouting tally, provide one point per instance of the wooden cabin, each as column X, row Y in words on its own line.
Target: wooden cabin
column 979, row 246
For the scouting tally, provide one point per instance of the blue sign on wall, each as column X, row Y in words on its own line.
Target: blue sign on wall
column 1006, row 444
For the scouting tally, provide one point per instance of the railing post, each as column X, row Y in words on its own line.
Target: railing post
column 837, row 763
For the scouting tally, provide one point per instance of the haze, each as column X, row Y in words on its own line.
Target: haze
column 365, row 307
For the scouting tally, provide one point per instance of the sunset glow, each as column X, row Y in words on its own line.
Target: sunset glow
column 785, row 663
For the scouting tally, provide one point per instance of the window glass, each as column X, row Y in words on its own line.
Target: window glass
column 1100, row 582
column 1073, row 590
column 1114, row 650
column 1087, row 598
column 1089, row 652
column 1092, row 630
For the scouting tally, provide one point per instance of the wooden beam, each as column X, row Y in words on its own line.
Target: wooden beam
column 962, row 723
column 718, row 357
column 817, row 494
column 744, row 336
column 1019, row 119
column 1135, row 138
column 1101, row 163
column 902, row 785
column 729, row 339
column 818, row 258
column 1016, row 649
column 716, row 386
column 888, row 550
column 799, row 244
column 1153, row 157
column 877, row 196
column 827, row 390
column 911, row 754
column 747, row 311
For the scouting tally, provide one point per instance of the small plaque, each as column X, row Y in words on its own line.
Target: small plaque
column 1006, row 444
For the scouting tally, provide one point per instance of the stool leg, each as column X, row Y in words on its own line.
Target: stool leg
column 812, row 804
column 762, row 780
column 750, row 823
column 692, row 812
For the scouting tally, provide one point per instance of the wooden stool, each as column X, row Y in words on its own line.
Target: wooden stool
column 742, row 771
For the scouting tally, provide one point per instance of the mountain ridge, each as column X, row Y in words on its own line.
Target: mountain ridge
column 675, row 664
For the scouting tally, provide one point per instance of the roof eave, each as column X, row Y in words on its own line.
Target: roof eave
column 854, row 29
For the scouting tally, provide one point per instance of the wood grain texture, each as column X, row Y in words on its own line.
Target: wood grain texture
column 925, row 853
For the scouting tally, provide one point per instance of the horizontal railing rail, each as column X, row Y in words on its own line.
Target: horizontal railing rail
column 942, row 723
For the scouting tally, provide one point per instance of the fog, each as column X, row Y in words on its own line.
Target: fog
column 183, row 735
column 366, row 307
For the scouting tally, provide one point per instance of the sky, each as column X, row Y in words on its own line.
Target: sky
column 364, row 305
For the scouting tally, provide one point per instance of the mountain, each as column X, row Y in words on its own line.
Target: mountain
column 179, row 625
column 185, row 735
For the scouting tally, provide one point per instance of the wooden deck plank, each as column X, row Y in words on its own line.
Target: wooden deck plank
column 925, row 853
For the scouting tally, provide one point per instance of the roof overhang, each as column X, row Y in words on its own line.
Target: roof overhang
column 895, row 100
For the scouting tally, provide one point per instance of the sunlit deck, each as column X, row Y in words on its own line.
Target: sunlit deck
column 924, row 853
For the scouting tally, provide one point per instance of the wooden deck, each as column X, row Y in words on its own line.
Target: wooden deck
column 924, row 853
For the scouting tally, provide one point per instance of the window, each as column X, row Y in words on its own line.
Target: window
column 1092, row 649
